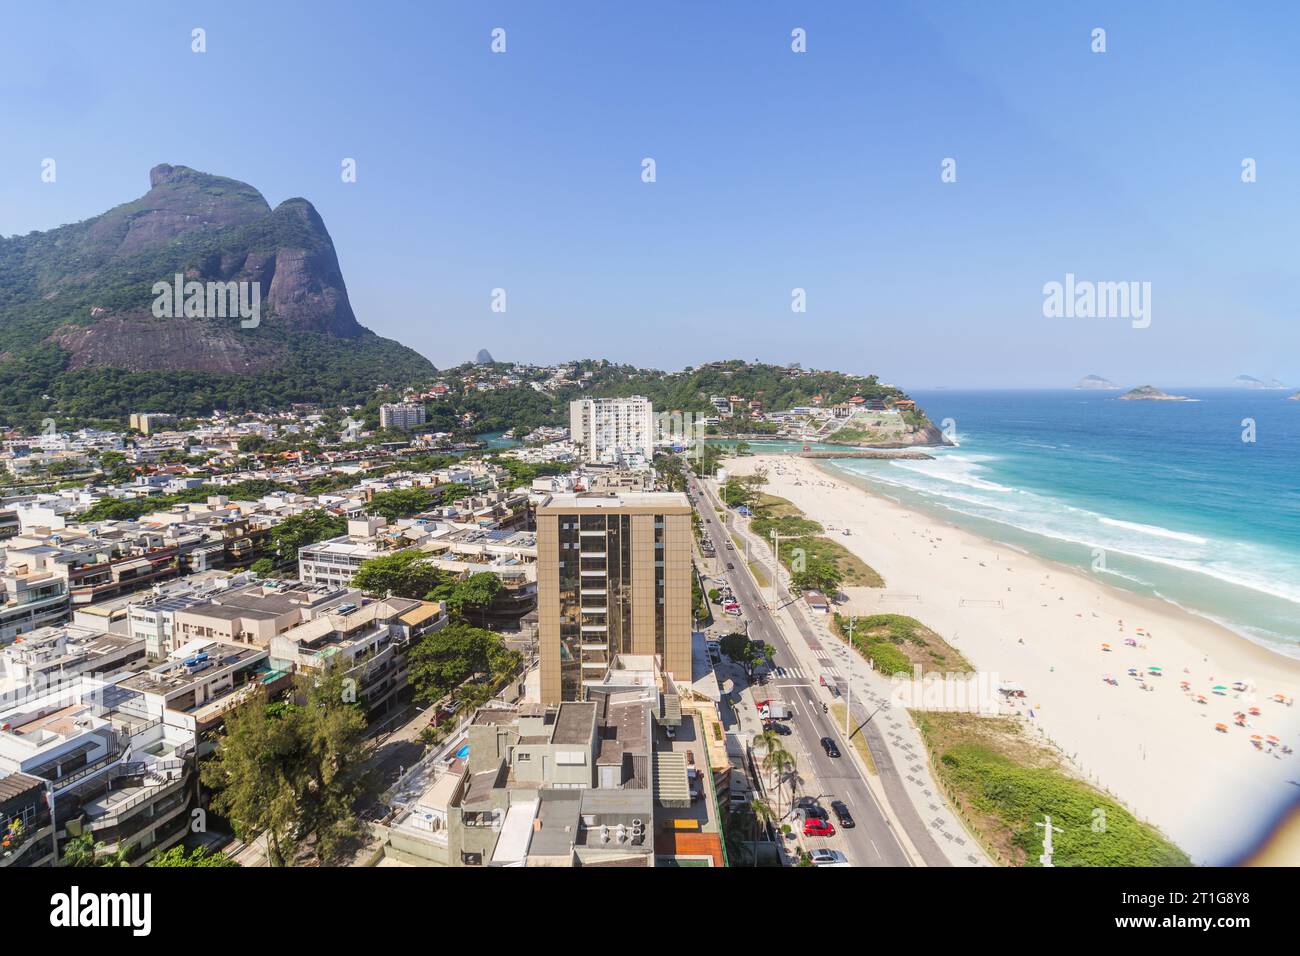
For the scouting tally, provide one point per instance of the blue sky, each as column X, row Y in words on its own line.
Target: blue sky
column 775, row 171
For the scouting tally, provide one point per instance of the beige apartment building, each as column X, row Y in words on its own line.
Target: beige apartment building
column 613, row 577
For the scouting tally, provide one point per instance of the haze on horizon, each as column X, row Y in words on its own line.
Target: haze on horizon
column 774, row 171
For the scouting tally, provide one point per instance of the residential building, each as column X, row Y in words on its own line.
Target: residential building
column 150, row 422
column 367, row 637
column 616, row 431
column 614, row 577
column 401, row 416
column 29, row 600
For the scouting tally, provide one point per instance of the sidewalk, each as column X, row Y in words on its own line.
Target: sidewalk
column 905, row 784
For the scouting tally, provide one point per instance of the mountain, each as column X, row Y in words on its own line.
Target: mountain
column 1095, row 381
column 1249, row 381
column 484, row 357
column 81, row 337
column 1149, row 393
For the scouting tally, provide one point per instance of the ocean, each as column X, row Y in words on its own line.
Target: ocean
column 1163, row 498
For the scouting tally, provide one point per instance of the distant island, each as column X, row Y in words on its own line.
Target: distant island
column 1249, row 381
column 1095, row 381
column 1149, row 393
column 1295, row 397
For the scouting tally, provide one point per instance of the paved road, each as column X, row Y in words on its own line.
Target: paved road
column 872, row 842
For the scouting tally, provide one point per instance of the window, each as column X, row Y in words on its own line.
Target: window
column 570, row 758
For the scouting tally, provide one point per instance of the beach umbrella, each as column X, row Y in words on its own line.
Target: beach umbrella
column 1221, row 728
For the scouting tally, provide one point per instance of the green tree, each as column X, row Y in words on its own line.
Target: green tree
column 83, row 850
column 293, row 772
column 402, row 574
column 764, row 817
column 400, row 503
column 300, row 530
column 470, row 593
column 251, row 444
column 447, row 658
column 818, row 575
column 201, row 856
column 733, row 645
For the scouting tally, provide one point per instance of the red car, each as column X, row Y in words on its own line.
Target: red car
column 815, row 826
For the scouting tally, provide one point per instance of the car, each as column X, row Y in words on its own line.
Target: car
column 824, row 857
column 841, row 810
column 812, row 811
column 730, row 566
column 815, row 826
column 828, row 745
column 780, row 729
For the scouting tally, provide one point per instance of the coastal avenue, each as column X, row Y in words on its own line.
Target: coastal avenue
column 872, row 842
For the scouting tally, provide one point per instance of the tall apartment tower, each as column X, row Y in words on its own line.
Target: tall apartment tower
column 616, row 431
column 613, row 577
column 402, row 416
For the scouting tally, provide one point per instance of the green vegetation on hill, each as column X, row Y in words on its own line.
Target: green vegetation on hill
column 57, row 286
column 522, row 407
column 894, row 642
column 814, row 561
column 314, row 368
column 772, row 385
column 1005, row 784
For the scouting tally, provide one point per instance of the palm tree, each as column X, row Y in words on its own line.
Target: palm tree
column 763, row 818
column 793, row 778
column 767, row 741
column 778, row 763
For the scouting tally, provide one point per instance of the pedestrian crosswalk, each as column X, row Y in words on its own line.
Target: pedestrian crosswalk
column 798, row 673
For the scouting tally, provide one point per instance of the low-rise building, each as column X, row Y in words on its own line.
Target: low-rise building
column 366, row 637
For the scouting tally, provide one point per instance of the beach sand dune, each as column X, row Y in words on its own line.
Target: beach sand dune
column 1145, row 737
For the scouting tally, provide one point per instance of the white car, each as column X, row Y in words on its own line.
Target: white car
column 822, row 857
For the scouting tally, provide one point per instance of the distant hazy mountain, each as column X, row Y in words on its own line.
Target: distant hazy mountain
column 1249, row 381
column 79, row 338
column 1149, row 393
column 484, row 357
column 1095, row 381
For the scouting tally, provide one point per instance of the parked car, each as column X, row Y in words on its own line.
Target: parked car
column 842, row 814
column 730, row 566
column 781, row 729
column 815, row 826
column 824, row 857
column 828, row 745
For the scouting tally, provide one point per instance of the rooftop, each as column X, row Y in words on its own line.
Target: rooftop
column 664, row 502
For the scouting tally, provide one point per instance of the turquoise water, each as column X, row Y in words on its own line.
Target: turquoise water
column 1179, row 505
column 497, row 440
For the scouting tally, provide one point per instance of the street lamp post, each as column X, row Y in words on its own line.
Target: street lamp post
column 776, row 563
column 848, row 682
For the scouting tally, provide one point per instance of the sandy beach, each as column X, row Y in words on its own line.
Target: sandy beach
column 1146, row 739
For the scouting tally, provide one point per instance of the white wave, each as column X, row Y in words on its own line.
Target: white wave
column 1230, row 562
column 1154, row 530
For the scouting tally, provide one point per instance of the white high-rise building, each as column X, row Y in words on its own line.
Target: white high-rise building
column 401, row 416
column 615, row 431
